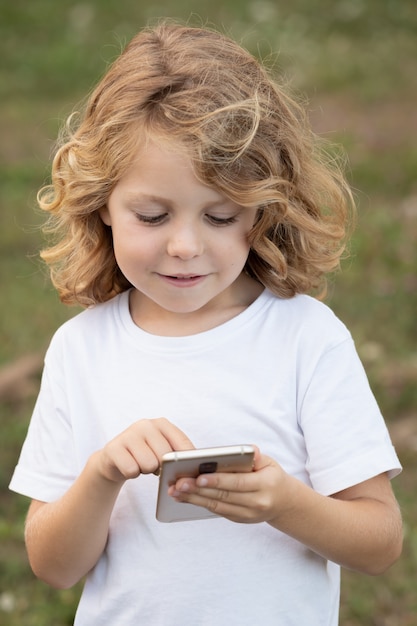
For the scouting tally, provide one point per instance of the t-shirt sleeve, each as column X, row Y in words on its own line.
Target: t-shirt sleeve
column 346, row 438
column 47, row 464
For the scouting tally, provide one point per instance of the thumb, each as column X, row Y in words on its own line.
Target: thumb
column 260, row 461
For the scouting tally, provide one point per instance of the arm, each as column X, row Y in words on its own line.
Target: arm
column 65, row 539
column 360, row 528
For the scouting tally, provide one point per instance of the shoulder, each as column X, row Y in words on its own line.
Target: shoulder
column 93, row 325
column 304, row 316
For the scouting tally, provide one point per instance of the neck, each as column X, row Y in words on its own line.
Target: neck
column 156, row 320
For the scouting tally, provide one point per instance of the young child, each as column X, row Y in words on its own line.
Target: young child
column 192, row 213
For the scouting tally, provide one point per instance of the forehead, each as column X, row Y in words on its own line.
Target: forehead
column 152, row 149
column 161, row 169
column 156, row 159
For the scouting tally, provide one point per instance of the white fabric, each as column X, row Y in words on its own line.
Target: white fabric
column 284, row 374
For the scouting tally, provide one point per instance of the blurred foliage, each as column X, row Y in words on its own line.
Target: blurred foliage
column 355, row 61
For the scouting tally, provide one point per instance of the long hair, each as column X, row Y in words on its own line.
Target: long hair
column 246, row 137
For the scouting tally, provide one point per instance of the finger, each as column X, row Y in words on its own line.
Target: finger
column 229, row 481
column 186, row 490
column 149, row 440
column 244, row 507
column 261, row 461
column 127, row 465
column 145, row 458
column 145, row 444
column 117, row 463
column 239, row 511
column 177, row 439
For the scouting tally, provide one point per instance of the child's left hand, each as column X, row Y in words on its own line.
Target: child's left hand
column 247, row 497
column 359, row 527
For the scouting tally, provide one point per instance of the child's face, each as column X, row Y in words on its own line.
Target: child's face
column 181, row 244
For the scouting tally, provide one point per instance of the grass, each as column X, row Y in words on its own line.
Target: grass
column 356, row 62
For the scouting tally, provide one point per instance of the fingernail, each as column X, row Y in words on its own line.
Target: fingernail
column 202, row 482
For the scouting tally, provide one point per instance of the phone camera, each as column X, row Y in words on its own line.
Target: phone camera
column 208, row 467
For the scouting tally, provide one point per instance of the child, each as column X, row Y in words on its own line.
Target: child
column 192, row 214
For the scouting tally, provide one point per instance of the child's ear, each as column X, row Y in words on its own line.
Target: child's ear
column 105, row 215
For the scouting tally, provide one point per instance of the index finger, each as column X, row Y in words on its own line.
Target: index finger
column 177, row 439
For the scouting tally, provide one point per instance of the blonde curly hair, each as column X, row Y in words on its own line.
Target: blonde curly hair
column 246, row 137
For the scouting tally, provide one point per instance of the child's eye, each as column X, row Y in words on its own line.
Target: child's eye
column 151, row 219
column 221, row 221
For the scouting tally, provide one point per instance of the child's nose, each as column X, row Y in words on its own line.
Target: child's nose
column 185, row 242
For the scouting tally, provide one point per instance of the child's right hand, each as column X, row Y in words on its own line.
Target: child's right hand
column 65, row 538
column 139, row 449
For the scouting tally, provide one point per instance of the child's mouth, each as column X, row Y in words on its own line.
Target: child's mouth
column 183, row 280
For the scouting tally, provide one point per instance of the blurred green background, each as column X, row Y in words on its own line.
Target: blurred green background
column 356, row 63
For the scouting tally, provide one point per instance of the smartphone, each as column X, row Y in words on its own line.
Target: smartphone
column 192, row 463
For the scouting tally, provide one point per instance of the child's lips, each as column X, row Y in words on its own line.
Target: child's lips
column 183, row 280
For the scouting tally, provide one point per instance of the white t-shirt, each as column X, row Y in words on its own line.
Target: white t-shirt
column 284, row 375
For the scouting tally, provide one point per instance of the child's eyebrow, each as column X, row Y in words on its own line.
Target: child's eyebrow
column 135, row 198
column 139, row 197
